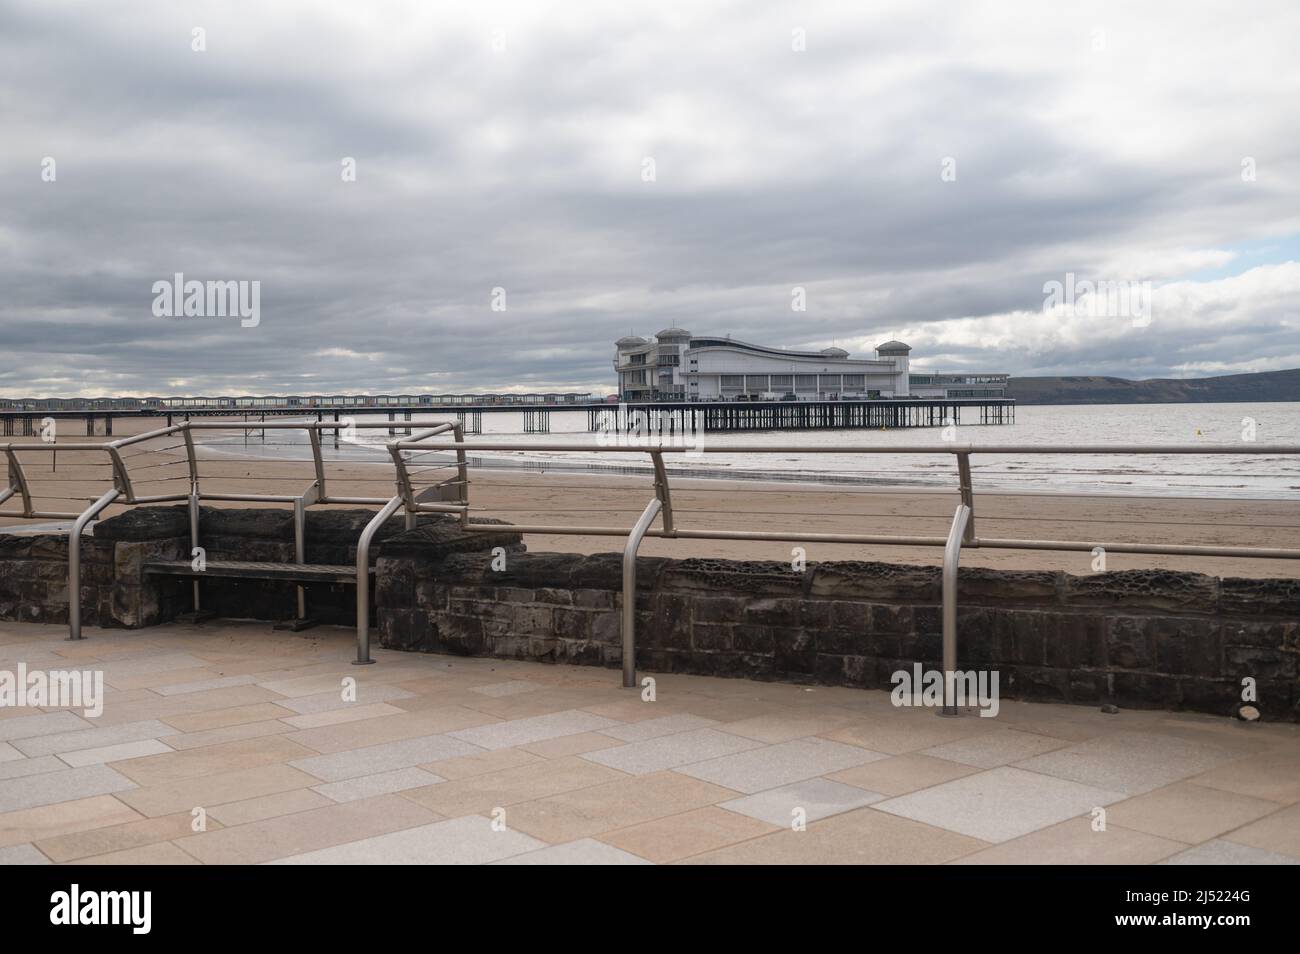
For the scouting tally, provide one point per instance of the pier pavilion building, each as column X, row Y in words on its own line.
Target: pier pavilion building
column 676, row 365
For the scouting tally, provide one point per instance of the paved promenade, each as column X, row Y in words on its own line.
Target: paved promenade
column 231, row 743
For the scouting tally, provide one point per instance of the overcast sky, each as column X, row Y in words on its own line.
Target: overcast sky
column 920, row 170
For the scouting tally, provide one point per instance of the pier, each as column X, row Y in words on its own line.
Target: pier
column 17, row 420
column 668, row 418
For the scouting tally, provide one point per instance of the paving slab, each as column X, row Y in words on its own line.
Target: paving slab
column 48, row 821
column 311, row 830
column 991, row 749
column 670, row 751
column 665, row 840
column 644, row 729
column 95, row 737
column 1220, row 852
column 584, row 851
column 327, row 701
column 900, row 774
column 999, row 804
column 860, row 837
column 776, row 765
column 22, row 855
column 1278, row 832
column 383, row 757
column 458, row 841
column 40, row 723
column 513, row 732
column 807, row 801
column 1130, row 762
column 114, row 753
column 1188, row 812
column 1076, row 842
column 381, row 783
column 49, row 788
column 498, row 690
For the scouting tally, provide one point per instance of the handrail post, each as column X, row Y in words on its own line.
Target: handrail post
column 74, row 560
column 462, row 471
column 951, row 555
column 363, row 579
column 318, row 462
column 662, row 490
column 193, row 503
column 191, row 461
column 300, row 549
column 629, row 590
column 967, row 493
column 18, row 480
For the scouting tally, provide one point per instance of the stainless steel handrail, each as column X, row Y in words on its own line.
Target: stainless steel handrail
column 363, row 579
column 962, row 533
column 629, row 589
column 19, row 486
column 951, row 556
column 74, row 559
column 424, row 440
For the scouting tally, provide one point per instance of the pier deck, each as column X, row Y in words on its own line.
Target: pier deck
column 797, row 415
column 665, row 417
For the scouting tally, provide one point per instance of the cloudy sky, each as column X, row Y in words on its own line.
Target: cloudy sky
column 920, row 170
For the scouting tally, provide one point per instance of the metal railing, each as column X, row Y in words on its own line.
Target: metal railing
column 961, row 535
column 123, row 489
column 416, row 493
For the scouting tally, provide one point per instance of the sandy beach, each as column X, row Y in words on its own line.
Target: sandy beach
column 531, row 497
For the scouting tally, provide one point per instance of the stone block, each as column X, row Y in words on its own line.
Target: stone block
column 711, row 637
column 606, row 627
column 1269, row 597
column 876, row 582
column 718, row 609
column 1158, row 590
column 762, row 577
column 753, row 639
column 1190, row 647
column 1078, row 640
column 1129, row 645
column 991, row 587
column 570, row 623
column 1021, row 636
column 147, row 523
column 1259, row 663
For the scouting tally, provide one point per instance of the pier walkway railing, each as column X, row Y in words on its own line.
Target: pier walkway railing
column 430, row 475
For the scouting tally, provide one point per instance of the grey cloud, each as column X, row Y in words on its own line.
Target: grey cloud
column 775, row 170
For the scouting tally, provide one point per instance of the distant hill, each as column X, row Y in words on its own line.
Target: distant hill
column 1227, row 388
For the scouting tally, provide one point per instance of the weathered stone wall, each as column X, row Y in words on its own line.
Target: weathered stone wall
column 1135, row 638
column 114, row 589
column 116, row 592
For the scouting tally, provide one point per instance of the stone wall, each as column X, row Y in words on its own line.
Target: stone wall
column 114, row 589
column 116, row 592
column 1134, row 638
